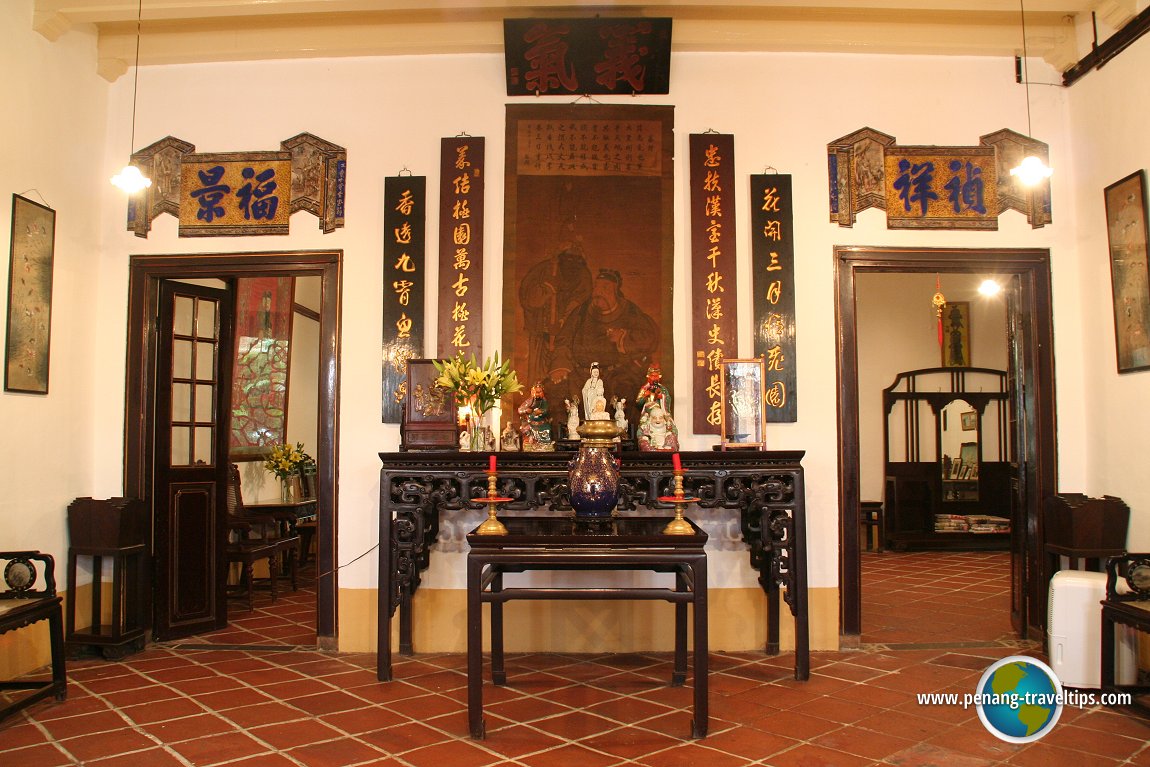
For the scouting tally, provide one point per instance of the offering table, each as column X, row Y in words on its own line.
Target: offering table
column 764, row 487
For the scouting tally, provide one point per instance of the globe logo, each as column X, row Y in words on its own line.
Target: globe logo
column 1019, row 699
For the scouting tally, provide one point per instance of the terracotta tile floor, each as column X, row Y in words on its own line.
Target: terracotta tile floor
column 256, row 707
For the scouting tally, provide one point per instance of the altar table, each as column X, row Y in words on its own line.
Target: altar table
column 765, row 487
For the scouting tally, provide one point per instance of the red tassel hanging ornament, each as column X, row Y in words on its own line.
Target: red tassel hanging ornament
column 938, row 301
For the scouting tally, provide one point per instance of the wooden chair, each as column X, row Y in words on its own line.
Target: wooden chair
column 256, row 537
column 28, row 596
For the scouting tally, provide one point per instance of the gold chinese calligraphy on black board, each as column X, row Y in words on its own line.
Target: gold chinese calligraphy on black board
column 934, row 187
column 773, row 267
column 240, row 193
column 404, row 282
column 559, row 57
column 714, row 310
column 589, row 244
column 461, row 186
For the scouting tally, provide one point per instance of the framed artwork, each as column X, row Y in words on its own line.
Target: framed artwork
column 588, row 247
column 956, row 334
column 969, row 420
column 29, row 297
column 1126, row 226
column 968, row 455
column 429, row 415
column 743, row 422
column 260, row 372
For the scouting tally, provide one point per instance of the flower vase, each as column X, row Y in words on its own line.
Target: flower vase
column 287, row 494
column 593, row 476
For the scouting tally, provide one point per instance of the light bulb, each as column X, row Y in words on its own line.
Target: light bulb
column 131, row 180
column 989, row 288
column 1031, row 170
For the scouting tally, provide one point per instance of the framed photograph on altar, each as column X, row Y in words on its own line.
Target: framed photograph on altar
column 741, row 391
column 1126, row 226
column 29, row 297
column 429, row 415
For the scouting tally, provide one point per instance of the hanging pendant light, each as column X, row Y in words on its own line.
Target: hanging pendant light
column 130, row 179
column 1032, row 170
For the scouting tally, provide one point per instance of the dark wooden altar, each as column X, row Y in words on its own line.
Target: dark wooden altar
column 766, row 487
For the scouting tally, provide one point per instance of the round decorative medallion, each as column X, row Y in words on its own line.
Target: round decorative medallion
column 19, row 575
column 1138, row 577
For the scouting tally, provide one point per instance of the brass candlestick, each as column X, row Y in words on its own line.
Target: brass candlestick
column 491, row 525
column 678, row 525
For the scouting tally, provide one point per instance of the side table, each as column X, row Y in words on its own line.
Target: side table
column 562, row 543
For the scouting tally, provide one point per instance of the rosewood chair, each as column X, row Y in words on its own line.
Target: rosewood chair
column 255, row 537
column 28, row 596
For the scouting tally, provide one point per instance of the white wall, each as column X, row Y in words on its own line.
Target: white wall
column 1109, row 112
column 53, row 139
column 390, row 113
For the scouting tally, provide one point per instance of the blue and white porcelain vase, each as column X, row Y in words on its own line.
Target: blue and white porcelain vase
column 592, row 475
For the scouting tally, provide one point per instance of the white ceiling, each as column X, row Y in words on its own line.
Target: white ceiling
column 185, row 31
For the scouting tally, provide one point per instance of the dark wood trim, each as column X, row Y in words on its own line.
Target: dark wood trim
column 311, row 314
column 1109, row 48
column 144, row 275
column 1031, row 313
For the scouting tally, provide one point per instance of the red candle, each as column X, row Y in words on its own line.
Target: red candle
column 675, row 462
column 491, row 464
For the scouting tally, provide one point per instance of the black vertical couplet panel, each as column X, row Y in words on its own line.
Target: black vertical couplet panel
column 714, row 334
column 773, row 269
column 404, row 283
column 461, row 247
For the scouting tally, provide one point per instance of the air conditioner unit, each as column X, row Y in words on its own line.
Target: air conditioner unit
column 1074, row 632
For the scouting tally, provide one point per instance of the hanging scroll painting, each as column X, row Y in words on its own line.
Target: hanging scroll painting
column 29, row 297
column 589, row 242
column 260, row 372
column 404, row 285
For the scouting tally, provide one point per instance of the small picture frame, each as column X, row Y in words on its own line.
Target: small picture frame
column 743, row 415
column 429, row 414
column 1126, row 227
column 29, row 326
column 956, row 334
column 969, row 420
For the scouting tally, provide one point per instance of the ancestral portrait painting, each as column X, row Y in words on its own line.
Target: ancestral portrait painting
column 1126, row 225
column 589, row 246
column 29, row 297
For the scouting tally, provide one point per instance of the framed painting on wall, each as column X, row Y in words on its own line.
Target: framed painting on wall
column 260, row 372
column 29, row 297
column 956, row 334
column 1126, row 226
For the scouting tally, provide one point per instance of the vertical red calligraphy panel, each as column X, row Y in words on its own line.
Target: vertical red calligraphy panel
column 714, row 311
column 461, row 247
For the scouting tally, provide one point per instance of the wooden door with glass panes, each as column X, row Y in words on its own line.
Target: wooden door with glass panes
column 192, row 394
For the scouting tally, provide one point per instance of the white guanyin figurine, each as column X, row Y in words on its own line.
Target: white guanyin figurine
column 599, row 410
column 592, row 390
column 620, row 414
column 572, row 417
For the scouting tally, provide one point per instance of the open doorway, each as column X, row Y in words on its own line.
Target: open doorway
column 1029, row 350
column 147, row 274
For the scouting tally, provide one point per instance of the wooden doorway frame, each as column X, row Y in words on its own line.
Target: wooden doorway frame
column 1031, row 330
column 144, row 276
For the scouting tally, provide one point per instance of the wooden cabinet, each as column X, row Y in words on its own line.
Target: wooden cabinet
column 948, row 460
